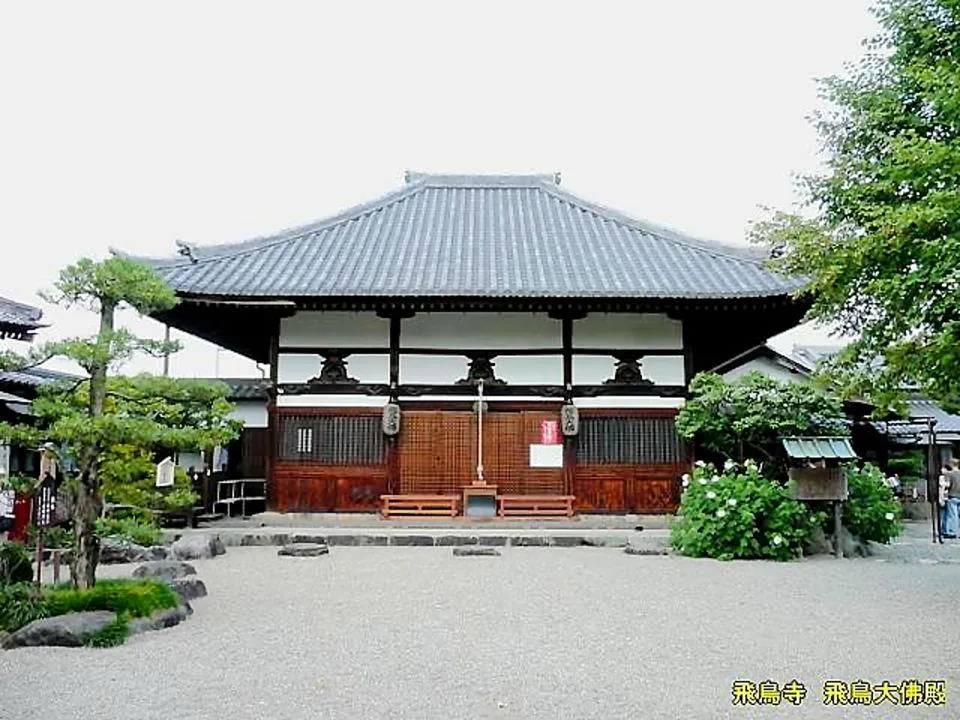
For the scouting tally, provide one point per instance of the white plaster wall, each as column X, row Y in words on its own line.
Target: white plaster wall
column 530, row 369
column 330, row 401
column 426, row 369
column 253, row 413
column 628, row 331
column 768, row 368
column 595, row 369
column 628, row 402
column 480, row 331
column 334, row 329
column 365, row 368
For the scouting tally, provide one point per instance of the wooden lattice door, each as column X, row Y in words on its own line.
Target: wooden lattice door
column 507, row 436
column 438, row 451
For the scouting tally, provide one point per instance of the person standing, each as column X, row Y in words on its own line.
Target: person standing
column 952, row 474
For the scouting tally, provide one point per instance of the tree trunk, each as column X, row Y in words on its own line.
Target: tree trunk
column 86, row 544
column 88, row 503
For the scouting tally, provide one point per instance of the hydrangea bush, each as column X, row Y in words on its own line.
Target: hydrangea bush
column 736, row 513
column 871, row 512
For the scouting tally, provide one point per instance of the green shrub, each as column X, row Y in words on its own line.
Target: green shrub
column 54, row 537
column 16, row 563
column 19, row 605
column 130, row 529
column 870, row 512
column 110, row 635
column 739, row 514
column 134, row 598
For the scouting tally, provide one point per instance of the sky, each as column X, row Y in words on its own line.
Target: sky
column 129, row 125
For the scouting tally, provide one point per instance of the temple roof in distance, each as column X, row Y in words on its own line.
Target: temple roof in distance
column 18, row 320
column 475, row 236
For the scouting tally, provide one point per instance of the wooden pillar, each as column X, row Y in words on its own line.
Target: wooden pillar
column 569, row 443
column 393, row 450
column 272, row 429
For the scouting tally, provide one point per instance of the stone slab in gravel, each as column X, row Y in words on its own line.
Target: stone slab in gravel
column 198, row 546
column 646, row 549
column 476, row 551
column 303, row 549
column 406, row 540
column 156, row 552
column 351, row 540
column 189, row 588
column 160, row 619
column 449, row 540
column 70, row 630
column 165, row 569
column 497, row 540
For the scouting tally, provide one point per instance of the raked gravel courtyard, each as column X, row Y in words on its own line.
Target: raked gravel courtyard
column 536, row 633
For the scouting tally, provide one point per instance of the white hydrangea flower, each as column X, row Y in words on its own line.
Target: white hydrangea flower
column 729, row 465
column 715, row 478
column 732, row 502
column 702, row 481
column 889, row 516
column 721, row 513
column 686, row 480
column 750, row 463
column 777, row 540
column 711, row 495
column 700, row 463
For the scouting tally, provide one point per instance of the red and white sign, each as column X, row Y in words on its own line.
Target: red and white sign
column 549, row 432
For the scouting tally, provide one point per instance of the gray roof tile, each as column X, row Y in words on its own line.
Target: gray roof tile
column 17, row 314
column 490, row 236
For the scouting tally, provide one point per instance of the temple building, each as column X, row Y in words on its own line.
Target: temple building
column 491, row 330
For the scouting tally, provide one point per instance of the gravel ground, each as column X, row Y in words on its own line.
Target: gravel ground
column 537, row 633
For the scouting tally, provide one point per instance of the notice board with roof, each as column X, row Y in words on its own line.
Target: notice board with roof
column 815, row 472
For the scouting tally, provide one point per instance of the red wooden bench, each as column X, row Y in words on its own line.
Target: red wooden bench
column 407, row 505
column 535, row 505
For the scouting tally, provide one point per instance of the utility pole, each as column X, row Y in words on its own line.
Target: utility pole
column 166, row 356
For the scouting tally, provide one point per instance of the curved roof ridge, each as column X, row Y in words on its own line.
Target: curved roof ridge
column 648, row 227
column 484, row 181
column 221, row 251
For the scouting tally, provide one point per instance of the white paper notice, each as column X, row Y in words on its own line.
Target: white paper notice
column 546, row 455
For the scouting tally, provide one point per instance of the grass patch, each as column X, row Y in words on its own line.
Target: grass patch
column 19, row 605
column 110, row 635
column 132, row 598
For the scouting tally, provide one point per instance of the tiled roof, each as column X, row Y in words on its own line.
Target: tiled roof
column 819, row 448
column 486, row 236
column 20, row 317
column 245, row 388
column 33, row 377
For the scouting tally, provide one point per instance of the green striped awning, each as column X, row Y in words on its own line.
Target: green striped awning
column 819, row 448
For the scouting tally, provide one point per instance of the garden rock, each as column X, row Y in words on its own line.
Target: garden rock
column 165, row 569
column 304, row 550
column 197, row 547
column 115, row 550
column 188, row 588
column 160, row 619
column 157, row 552
column 471, row 550
column 646, row 549
column 70, row 630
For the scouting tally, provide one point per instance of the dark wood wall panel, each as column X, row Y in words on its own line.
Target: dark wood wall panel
column 627, row 488
column 319, row 488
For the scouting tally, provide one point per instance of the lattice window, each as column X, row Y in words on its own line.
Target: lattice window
column 628, row 440
column 332, row 439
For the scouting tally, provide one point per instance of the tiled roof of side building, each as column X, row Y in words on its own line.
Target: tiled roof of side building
column 17, row 314
column 476, row 236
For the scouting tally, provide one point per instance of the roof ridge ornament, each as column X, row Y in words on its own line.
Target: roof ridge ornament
column 186, row 251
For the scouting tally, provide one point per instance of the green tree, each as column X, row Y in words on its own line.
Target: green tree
column 746, row 418
column 882, row 244
column 95, row 419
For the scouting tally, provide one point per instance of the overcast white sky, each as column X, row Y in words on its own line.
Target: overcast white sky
column 130, row 125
